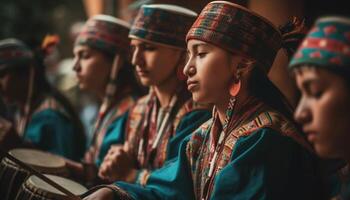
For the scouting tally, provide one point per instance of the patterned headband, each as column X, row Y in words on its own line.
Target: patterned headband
column 14, row 52
column 163, row 24
column 105, row 33
column 326, row 45
column 238, row 30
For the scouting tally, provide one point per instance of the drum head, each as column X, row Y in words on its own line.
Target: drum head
column 70, row 185
column 38, row 159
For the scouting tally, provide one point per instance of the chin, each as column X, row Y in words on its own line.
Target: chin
column 199, row 99
column 325, row 152
column 82, row 87
column 146, row 83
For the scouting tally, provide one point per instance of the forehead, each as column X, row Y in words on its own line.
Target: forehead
column 78, row 48
column 193, row 43
column 306, row 70
column 141, row 42
column 309, row 73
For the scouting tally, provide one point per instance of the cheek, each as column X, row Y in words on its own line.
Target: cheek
column 332, row 118
column 161, row 68
column 214, row 83
column 333, row 110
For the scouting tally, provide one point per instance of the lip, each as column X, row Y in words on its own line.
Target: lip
column 311, row 136
column 79, row 78
column 142, row 72
column 192, row 85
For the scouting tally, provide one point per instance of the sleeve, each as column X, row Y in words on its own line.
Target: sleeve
column 267, row 166
column 115, row 135
column 172, row 181
column 51, row 131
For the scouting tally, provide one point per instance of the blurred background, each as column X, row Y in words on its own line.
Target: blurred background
column 31, row 20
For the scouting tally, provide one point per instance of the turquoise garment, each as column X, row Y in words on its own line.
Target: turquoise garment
column 116, row 132
column 52, row 131
column 264, row 166
column 189, row 123
column 114, row 135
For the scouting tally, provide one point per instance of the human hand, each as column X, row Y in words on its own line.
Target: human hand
column 118, row 165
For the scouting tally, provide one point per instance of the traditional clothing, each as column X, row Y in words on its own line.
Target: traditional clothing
column 110, row 36
column 257, row 153
column 144, row 126
column 154, row 133
column 260, row 159
column 327, row 46
column 48, row 125
column 112, row 129
column 50, row 128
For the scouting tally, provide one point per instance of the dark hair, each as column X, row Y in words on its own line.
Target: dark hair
column 262, row 88
column 343, row 73
column 43, row 87
column 126, row 76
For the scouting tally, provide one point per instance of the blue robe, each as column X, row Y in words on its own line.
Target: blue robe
column 51, row 129
column 265, row 162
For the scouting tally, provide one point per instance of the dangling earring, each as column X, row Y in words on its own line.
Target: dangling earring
column 180, row 75
column 235, row 87
column 234, row 90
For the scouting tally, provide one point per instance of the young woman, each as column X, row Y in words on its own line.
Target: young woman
column 160, row 120
column 45, row 119
column 251, row 148
column 321, row 68
column 101, row 63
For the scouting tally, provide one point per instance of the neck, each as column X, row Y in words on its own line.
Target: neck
column 222, row 105
column 166, row 90
column 35, row 100
column 100, row 94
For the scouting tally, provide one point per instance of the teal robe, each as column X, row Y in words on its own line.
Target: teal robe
column 262, row 165
column 51, row 130
column 143, row 123
column 114, row 135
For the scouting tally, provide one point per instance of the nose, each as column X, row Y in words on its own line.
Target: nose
column 189, row 69
column 76, row 65
column 137, row 59
column 302, row 113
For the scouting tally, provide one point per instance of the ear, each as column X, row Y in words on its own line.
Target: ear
column 233, row 61
column 180, row 66
column 244, row 66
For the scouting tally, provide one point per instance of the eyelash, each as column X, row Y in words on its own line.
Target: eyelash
column 84, row 55
column 149, row 48
column 201, row 54
column 144, row 48
column 315, row 93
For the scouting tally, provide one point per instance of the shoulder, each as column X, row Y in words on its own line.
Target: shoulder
column 190, row 106
column 191, row 109
column 198, row 137
column 272, row 122
column 51, row 108
column 140, row 105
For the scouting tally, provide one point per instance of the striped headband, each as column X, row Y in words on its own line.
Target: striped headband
column 238, row 30
column 14, row 52
column 326, row 45
column 163, row 24
column 105, row 33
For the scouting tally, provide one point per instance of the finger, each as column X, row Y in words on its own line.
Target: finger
column 126, row 147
